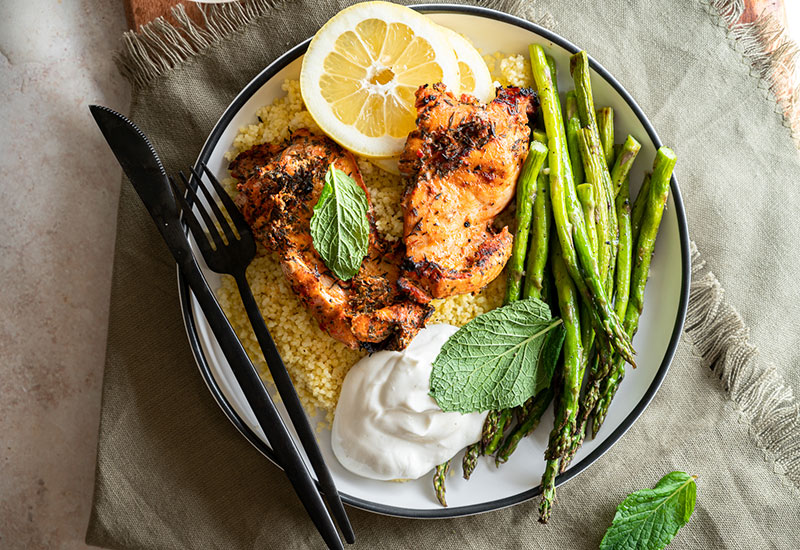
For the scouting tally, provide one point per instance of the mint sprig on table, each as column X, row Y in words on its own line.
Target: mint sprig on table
column 339, row 225
column 499, row 359
column 650, row 518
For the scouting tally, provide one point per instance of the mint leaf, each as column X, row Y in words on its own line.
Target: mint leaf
column 650, row 518
column 493, row 362
column 339, row 225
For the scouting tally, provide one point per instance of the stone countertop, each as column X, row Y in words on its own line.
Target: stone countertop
column 58, row 189
column 59, row 186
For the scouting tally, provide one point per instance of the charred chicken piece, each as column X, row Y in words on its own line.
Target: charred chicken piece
column 279, row 187
column 248, row 162
column 463, row 159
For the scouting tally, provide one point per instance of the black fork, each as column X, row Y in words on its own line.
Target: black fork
column 231, row 256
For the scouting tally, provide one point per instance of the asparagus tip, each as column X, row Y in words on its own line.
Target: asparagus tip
column 545, row 509
column 438, row 482
column 470, row 460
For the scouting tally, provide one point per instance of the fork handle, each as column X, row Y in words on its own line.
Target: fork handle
column 264, row 409
column 293, row 406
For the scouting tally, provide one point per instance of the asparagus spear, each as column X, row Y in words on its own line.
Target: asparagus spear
column 637, row 212
column 624, row 161
column 572, row 374
column 527, row 185
column 622, row 283
column 439, row 475
column 608, row 389
column 471, row 459
column 489, row 428
column 605, row 126
column 551, row 469
column 539, row 237
column 651, row 220
column 591, row 153
column 602, row 365
column 567, row 214
column 526, row 425
column 617, row 150
column 577, row 437
column 570, row 105
column 521, row 412
column 534, row 287
column 594, row 165
column 573, row 125
column 656, row 201
column 579, row 67
column 586, row 198
column 622, row 286
column 551, row 64
column 503, row 421
column 526, row 192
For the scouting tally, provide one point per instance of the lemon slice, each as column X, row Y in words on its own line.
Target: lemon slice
column 390, row 165
column 362, row 68
column 475, row 77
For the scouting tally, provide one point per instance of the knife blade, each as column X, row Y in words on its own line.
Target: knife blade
column 146, row 173
column 143, row 168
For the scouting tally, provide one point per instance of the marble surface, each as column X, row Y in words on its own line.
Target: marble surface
column 58, row 190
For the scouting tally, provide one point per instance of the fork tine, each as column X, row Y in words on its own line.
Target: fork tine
column 230, row 206
column 188, row 215
column 212, row 228
column 223, row 222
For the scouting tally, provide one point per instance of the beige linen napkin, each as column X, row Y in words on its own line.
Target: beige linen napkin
column 172, row 472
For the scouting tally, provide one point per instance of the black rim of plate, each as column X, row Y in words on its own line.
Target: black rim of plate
column 574, row 470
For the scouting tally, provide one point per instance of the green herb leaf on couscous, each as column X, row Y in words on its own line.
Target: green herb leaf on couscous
column 339, row 225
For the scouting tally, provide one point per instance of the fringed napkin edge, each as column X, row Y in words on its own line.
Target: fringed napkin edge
column 764, row 399
column 160, row 46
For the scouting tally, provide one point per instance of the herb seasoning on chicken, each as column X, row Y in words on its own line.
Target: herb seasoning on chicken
column 463, row 159
column 279, row 186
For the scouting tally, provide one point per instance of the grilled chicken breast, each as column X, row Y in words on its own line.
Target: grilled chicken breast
column 463, row 160
column 279, row 187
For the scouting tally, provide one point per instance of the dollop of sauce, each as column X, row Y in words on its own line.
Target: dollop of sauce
column 386, row 425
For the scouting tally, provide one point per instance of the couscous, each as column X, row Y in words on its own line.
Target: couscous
column 317, row 362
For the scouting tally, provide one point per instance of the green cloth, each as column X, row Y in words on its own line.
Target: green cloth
column 172, row 472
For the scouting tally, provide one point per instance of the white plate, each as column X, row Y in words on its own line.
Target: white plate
column 665, row 301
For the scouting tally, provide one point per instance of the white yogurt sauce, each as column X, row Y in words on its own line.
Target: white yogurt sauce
column 387, row 426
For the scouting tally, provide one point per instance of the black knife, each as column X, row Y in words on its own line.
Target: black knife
column 143, row 168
